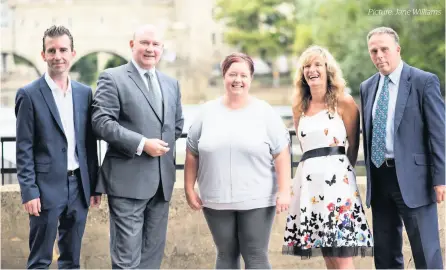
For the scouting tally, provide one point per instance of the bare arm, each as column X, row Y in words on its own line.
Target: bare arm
column 364, row 134
column 283, row 170
column 350, row 115
column 190, row 176
column 296, row 126
column 190, row 170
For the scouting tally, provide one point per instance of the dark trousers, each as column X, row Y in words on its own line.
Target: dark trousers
column 69, row 219
column 241, row 232
column 138, row 231
column 389, row 213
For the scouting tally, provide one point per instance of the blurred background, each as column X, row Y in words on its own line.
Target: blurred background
column 200, row 33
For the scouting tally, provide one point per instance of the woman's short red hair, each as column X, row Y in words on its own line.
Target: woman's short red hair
column 236, row 57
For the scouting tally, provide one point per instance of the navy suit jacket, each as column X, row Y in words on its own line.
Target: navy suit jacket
column 419, row 134
column 42, row 145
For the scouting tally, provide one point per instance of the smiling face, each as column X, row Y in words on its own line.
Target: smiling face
column 58, row 54
column 147, row 47
column 237, row 79
column 315, row 72
column 384, row 52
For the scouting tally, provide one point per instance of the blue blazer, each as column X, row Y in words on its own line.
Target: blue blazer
column 41, row 144
column 419, row 134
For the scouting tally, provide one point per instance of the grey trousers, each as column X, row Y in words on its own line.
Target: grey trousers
column 138, row 231
column 245, row 233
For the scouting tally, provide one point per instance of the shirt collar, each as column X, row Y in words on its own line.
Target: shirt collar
column 396, row 74
column 142, row 71
column 53, row 86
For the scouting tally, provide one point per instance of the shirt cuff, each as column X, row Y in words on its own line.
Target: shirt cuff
column 140, row 146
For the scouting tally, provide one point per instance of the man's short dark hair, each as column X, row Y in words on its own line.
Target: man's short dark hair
column 57, row 31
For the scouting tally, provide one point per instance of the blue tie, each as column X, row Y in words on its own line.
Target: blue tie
column 379, row 125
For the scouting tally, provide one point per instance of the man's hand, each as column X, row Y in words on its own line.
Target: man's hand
column 283, row 201
column 33, row 207
column 155, row 147
column 95, row 201
column 440, row 191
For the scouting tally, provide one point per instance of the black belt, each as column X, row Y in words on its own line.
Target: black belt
column 388, row 163
column 323, row 151
column 73, row 172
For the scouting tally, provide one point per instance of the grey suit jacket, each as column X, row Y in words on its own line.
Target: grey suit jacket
column 419, row 134
column 122, row 115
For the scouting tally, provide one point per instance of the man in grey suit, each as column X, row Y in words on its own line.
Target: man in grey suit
column 404, row 148
column 137, row 111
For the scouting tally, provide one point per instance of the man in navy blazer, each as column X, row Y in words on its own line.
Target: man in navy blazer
column 404, row 148
column 57, row 161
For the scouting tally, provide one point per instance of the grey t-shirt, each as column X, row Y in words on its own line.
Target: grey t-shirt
column 235, row 149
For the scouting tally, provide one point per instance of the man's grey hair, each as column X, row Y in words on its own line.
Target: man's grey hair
column 384, row 30
column 147, row 27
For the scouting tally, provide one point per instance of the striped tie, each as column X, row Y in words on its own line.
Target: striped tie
column 155, row 94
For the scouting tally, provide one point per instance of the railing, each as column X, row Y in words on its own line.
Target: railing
column 4, row 171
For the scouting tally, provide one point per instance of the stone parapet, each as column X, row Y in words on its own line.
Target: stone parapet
column 189, row 242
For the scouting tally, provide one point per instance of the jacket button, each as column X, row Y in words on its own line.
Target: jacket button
column 64, row 150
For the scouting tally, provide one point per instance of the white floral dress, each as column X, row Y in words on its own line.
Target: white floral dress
column 326, row 216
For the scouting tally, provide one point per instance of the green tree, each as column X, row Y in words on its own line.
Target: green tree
column 422, row 36
column 259, row 27
column 87, row 68
column 274, row 27
column 342, row 27
column 115, row 61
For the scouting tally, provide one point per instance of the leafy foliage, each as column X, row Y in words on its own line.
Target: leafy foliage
column 271, row 28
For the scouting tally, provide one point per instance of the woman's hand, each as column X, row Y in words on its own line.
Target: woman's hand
column 194, row 200
column 282, row 202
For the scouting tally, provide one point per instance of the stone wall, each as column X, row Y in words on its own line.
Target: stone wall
column 189, row 242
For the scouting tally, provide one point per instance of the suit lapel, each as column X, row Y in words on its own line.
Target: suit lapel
column 164, row 86
column 403, row 94
column 77, row 105
column 134, row 75
column 369, row 106
column 49, row 99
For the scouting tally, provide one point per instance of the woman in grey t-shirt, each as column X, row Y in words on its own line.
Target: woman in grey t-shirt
column 238, row 150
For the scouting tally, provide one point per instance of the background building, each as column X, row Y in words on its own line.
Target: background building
column 193, row 40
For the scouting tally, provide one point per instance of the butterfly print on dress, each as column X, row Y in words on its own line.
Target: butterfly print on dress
column 328, row 216
column 332, row 181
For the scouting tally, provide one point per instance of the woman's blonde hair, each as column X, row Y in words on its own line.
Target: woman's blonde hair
column 335, row 81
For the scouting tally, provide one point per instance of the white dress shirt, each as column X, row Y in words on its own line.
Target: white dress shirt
column 64, row 103
column 393, row 93
column 141, row 72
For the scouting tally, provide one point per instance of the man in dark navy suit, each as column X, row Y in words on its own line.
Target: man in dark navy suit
column 404, row 147
column 57, row 161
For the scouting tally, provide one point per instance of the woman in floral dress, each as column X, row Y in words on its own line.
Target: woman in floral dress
column 326, row 215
